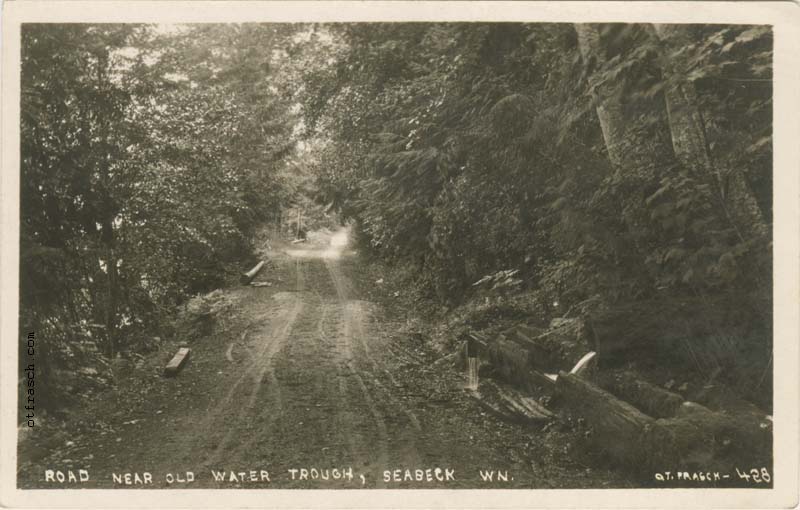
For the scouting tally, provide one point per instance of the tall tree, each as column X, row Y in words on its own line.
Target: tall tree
column 688, row 129
column 619, row 72
column 149, row 156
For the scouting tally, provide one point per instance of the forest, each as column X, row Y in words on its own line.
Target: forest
column 148, row 160
column 496, row 174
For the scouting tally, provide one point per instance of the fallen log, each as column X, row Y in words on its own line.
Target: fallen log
column 699, row 438
column 632, row 422
column 720, row 397
column 695, row 437
column 509, row 404
column 248, row 276
column 648, row 398
column 177, row 362
column 618, row 426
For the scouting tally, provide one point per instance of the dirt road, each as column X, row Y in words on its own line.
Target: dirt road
column 305, row 385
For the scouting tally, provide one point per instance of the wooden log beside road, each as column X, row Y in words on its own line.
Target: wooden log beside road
column 651, row 399
column 177, row 362
column 248, row 276
column 618, row 426
column 695, row 437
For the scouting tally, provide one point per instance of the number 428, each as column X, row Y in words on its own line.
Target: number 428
column 757, row 475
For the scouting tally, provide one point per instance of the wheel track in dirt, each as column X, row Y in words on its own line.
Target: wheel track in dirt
column 315, row 384
column 309, row 344
column 328, row 345
column 344, row 348
column 256, row 370
column 344, row 417
column 317, row 388
column 406, row 452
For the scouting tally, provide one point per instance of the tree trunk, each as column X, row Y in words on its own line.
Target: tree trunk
column 618, row 426
column 113, row 286
column 633, row 148
column 689, row 141
column 606, row 98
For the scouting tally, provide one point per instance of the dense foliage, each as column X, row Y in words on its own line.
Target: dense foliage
column 149, row 156
column 618, row 171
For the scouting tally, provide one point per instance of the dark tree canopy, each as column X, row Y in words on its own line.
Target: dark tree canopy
column 149, row 157
column 607, row 170
column 623, row 168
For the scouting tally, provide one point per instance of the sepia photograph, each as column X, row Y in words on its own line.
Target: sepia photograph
column 395, row 255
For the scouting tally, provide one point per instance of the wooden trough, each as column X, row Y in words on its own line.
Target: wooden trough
column 518, row 364
column 633, row 422
column 511, row 362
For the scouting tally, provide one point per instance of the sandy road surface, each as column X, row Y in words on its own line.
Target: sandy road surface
column 306, row 381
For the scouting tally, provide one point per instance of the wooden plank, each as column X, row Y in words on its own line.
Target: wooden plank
column 523, row 405
column 248, row 276
column 584, row 363
column 455, row 359
column 177, row 362
column 509, row 404
column 527, row 333
column 480, row 341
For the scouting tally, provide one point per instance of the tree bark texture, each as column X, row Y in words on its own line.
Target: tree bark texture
column 634, row 149
column 689, row 140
